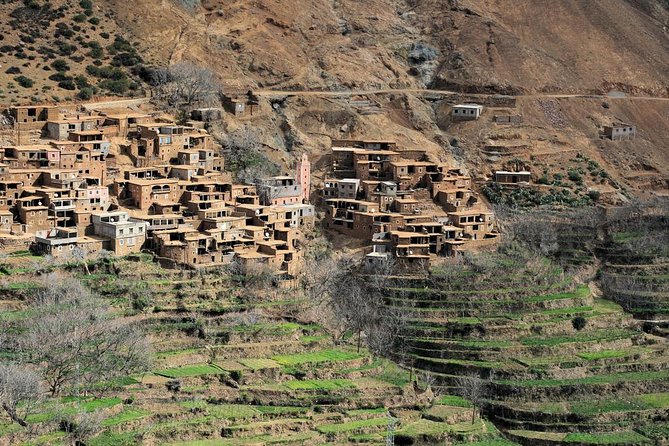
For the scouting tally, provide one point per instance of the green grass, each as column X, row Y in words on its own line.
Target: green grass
column 258, row 364
column 190, row 370
column 93, row 404
column 490, row 442
column 317, row 357
column 128, row 415
column 320, row 384
column 588, row 336
column 655, row 400
column 352, row 425
column 427, row 427
column 453, row 400
column 604, row 354
column 606, row 438
column 114, row 439
column 614, row 378
column 224, row 411
column 357, row 412
column 581, row 292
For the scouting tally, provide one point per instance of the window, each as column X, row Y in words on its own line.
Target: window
column 121, row 242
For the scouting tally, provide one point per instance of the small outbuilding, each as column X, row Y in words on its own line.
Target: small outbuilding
column 620, row 131
column 506, row 177
column 467, row 112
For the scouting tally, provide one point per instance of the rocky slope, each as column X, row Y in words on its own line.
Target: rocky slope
column 579, row 46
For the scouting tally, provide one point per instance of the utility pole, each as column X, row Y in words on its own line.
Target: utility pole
column 390, row 437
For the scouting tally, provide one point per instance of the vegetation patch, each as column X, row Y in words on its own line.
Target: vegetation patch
column 190, row 370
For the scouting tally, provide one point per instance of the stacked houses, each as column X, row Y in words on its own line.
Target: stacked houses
column 406, row 206
column 62, row 184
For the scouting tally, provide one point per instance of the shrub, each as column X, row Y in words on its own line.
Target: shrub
column 236, row 375
column 25, row 82
column 173, row 385
column 13, row 70
column 86, row 4
column 59, row 77
column 94, row 21
column 60, row 65
column 67, row 84
column 594, row 195
column 126, row 59
column 575, row 176
column 139, row 302
column 119, row 86
column 579, row 323
column 104, row 35
column 79, row 18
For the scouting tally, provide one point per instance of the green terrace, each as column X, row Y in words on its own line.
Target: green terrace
column 615, row 378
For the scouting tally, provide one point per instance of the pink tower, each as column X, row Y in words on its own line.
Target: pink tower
column 304, row 177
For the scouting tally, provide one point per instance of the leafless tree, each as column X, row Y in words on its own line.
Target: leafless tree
column 185, row 82
column 80, row 255
column 475, row 389
column 20, row 391
column 82, row 425
column 75, row 340
column 244, row 154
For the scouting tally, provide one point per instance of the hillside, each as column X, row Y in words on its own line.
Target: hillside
column 580, row 46
column 584, row 46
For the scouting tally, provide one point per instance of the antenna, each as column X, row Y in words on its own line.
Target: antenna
column 390, row 437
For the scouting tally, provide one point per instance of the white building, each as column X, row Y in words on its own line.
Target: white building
column 127, row 235
column 467, row 111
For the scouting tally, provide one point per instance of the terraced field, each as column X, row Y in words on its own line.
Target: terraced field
column 559, row 365
column 234, row 366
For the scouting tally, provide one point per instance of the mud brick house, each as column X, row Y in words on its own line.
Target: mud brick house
column 122, row 122
column 63, row 186
column 513, row 178
column 30, row 121
column 346, row 188
column 240, row 104
column 620, row 131
column 125, row 235
column 411, row 208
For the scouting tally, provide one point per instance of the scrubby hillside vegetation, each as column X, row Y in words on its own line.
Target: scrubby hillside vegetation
column 64, row 50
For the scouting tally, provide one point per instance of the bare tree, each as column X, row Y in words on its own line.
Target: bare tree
column 75, row 341
column 20, row 391
column 80, row 255
column 185, row 82
column 244, row 154
column 82, row 425
column 475, row 389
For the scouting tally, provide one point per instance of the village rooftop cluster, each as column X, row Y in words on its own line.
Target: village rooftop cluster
column 408, row 207
column 62, row 191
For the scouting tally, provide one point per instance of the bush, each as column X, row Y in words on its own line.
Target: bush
column 139, row 302
column 94, row 21
column 86, row 4
column 79, row 18
column 60, row 65
column 579, row 323
column 25, row 82
column 173, row 385
column 67, row 84
column 575, row 176
column 119, row 86
column 13, row 70
column 59, row 77
column 126, row 59
column 594, row 195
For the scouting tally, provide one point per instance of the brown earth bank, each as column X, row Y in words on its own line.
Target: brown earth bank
column 474, row 45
